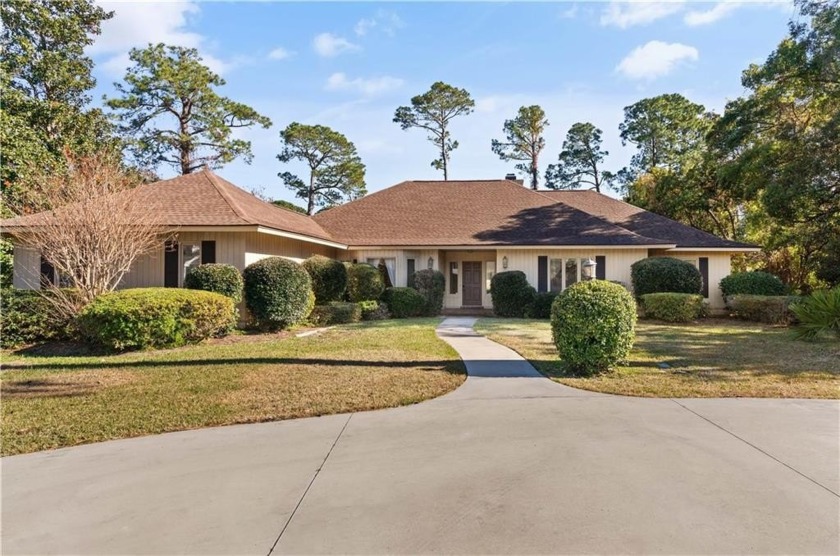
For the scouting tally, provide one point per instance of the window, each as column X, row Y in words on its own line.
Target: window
column 571, row 271
column 556, row 273
column 453, row 277
column 489, row 272
column 390, row 266
column 190, row 257
column 409, row 268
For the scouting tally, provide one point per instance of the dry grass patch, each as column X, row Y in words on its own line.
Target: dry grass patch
column 54, row 401
column 712, row 358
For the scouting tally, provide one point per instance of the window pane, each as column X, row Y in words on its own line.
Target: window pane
column 490, row 272
column 571, row 271
column 190, row 257
column 555, row 270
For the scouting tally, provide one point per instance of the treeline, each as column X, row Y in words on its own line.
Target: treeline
column 767, row 170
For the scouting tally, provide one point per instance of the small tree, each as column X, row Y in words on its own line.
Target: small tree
column 336, row 172
column 432, row 111
column 580, row 161
column 524, row 141
column 95, row 225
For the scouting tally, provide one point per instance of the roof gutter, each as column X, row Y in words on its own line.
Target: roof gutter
column 300, row 237
column 719, row 249
column 502, row 247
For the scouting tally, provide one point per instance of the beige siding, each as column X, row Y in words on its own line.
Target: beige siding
column 617, row 261
column 455, row 300
column 719, row 268
column 26, row 268
column 401, row 256
column 260, row 246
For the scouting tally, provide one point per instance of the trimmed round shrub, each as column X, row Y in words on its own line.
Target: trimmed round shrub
column 364, row 282
column 431, row 285
column 593, row 324
column 278, row 292
column 26, row 317
column 219, row 278
column 673, row 307
column 511, row 293
column 540, row 308
column 337, row 312
column 752, row 283
column 404, row 302
column 664, row 274
column 329, row 278
column 155, row 318
column 374, row 310
column 769, row 309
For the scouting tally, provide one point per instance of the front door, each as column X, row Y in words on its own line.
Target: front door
column 471, row 284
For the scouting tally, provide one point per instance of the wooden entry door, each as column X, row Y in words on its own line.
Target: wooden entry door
column 471, row 284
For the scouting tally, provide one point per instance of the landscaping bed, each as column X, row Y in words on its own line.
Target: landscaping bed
column 710, row 358
column 52, row 401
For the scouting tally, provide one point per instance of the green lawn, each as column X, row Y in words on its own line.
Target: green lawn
column 712, row 358
column 55, row 401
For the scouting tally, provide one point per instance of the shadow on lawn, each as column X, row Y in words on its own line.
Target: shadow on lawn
column 451, row 366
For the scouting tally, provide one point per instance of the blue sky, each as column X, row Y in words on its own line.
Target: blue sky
column 349, row 65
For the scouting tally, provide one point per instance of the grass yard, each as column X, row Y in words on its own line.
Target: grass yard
column 55, row 401
column 713, row 358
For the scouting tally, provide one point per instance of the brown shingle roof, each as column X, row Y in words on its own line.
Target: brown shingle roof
column 640, row 221
column 476, row 212
column 205, row 199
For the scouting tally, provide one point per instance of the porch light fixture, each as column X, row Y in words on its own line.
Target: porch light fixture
column 504, row 262
column 588, row 269
column 431, row 263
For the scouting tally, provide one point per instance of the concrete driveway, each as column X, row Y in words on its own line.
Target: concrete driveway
column 509, row 463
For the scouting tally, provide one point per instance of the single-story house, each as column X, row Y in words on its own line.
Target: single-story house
column 467, row 229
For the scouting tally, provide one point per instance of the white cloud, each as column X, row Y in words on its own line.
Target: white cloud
column 280, row 53
column 329, row 45
column 136, row 24
column 629, row 14
column 388, row 22
column 704, row 17
column 655, row 59
column 569, row 13
column 368, row 87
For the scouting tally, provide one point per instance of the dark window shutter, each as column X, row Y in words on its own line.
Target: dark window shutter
column 208, row 252
column 170, row 264
column 703, row 263
column 600, row 268
column 47, row 273
column 542, row 274
column 453, row 277
column 409, row 272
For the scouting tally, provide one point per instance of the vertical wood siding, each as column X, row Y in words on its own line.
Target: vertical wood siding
column 421, row 260
column 720, row 266
column 259, row 246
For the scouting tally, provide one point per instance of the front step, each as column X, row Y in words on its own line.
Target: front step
column 468, row 312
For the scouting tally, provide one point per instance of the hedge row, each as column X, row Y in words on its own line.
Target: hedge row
column 665, row 274
column 775, row 309
column 26, row 317
column 155, row 318
column 336, row 312
column 673, row 307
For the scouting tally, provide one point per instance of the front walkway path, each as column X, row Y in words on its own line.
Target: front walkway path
column 510, row 462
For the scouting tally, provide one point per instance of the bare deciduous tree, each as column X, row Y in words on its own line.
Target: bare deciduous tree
column 97, row 221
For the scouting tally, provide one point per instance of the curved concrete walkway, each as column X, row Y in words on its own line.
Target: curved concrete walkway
column 508, row 463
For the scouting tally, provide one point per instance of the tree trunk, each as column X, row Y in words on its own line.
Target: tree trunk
column 310, row 205
column 535, row 171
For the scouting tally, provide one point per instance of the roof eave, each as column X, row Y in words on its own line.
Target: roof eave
column 489, row 247
column 301, row 237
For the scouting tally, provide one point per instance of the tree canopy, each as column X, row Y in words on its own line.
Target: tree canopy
column 579, row 163
column 170, row 112
column 433, row 111
column 336, row 172
column 524, row 141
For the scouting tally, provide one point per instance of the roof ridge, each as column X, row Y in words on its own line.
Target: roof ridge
column 234, row 206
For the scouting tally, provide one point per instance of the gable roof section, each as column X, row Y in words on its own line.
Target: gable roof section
column 469, row 213
column 205, row 199
column 641, row 221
